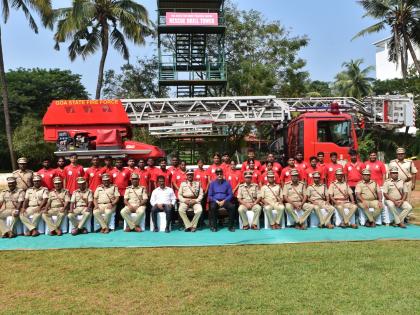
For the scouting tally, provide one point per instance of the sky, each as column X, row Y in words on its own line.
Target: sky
column 329, row 25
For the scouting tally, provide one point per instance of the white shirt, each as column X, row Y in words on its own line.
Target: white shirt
column 163, row 196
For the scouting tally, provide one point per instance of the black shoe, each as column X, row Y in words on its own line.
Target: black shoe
column 155, row 229
column 232, row 229
column 213, row 229
column 167, row 230
column 187, row 230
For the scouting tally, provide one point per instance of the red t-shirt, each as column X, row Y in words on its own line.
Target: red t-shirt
column 60, row 172
column 256, row 177
column 71, row 173
column 286, row 177
column 234, row 179
column 107, row 170
column 264, row 178
column 201, row 176
column 179, row 177
column 121, row 179
column 93, row 176
column 309, row 171
column 377, row 171
column 132, row 170
column 277, row 168
column 329, row 172
column 353, row 172
column 144, row 177
column 47, row 177
column 211, row 172
column 302, row 166
column 225, row 167
column 173, row 169
column 167, row 174
column 245, row 165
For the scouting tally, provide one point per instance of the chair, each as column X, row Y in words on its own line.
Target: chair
column 338, row 219
column 363, row 218
column 87, row 226
column 18, row 229
column 267, row 224
column 161, row 222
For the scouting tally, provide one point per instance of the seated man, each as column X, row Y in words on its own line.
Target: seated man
column 105, row 199
column 135, row 200
column 341, row 197
column 220, row 196
column 396, row 194
column 295, row 195
column 162, row 199
column 11, row 201
column 81, row 203
column 57, row 205
column 272, row 199
column 190, row 195
column 318, row 197
column 369, row 195
column 249, row 200
column 36, row 198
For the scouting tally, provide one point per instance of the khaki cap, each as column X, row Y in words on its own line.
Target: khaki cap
column 248, row 174
column 57, row 180
column 400, row 150
column 393, row 169
column 134, row 176
column 339, row 172
column 190, row 172
column 366, row 172
column 316, row 174
column 270, row 174
column 36, row 177
column 294, row 172
column 81, row 180
column 105, row 176
column 11, row 179
column 22, row 160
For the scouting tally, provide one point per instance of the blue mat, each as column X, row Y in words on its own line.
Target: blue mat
column 207, row 238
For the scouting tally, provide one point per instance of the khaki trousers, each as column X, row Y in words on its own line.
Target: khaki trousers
column 47, row 217
column 268, row 210
column 4, row 228
column 83, row 211
column 351, row 210
column 242, row 213
column 372, row 216
column 324, row 219
column 198, row 210
column 104, row 209
column 133, row 222
column 25, row 218
column 307, row 210
column 399, row 216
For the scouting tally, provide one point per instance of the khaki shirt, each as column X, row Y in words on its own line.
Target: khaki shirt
column 81, row 198
column 36, row 196
column 58, row 199
column 340, row 191
column 368, row 191
column 272, row 194
column 295, row 193
column 190, row 190
column 248, row 193
column 135, row 195
column 9, row 200
column 317, row 193
column 106, row 195
column 23, row 179
column 406, row 169
column 395, row 189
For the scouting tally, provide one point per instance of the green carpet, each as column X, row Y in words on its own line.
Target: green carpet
column 208, row 238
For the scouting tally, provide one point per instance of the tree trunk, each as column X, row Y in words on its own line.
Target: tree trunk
column 5, row 95
column 105, row 43
column 412, row 53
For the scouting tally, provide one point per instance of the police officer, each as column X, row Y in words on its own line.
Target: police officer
column 272, row 199
column 369, row 195
column 135, row 200
column 36, row 199
column 406, row 170
column 81, row 203
column 295, row 195
column 190, row 195
column 105, row 200
column 341, row 196
column 249, row 198
column 318, row 197
column 396, row 192
column 11, row 201
column 23, row 175
column 57, row 205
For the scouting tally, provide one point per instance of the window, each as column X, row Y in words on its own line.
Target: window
column 337, row 132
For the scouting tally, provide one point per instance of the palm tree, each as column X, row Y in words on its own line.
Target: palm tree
column 92, row 24
column 354, row 81
column 403, row 18
column 43, row 8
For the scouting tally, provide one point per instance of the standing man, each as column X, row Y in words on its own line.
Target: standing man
column 131, row 165
column 318, row 197
column 11, row 201
column 179, row 177
column 23, row 175
column 211, row 171
column 190, row 195
column 256, row 174
column 233, row 176
column 377, row 169
column 162, row 200
column 321, row 163
column 36, row 199
column 61, row 164
column 353, row 171
column 94, row 173
column 313, row 168
column 135, row 200
column 369, row 195
column 251, row 156
column 81, row 203
column 225, row 162
column 174, row 165
column 57, row 205
column 152, row 169
column 407, row 171
column 163, row 171
column 269, row 168
column 144, row 176
column 272, row 199
column 396, row 192
column 200, row 175
column 286, row 172
column 300, row 163
column 276, row 165
column 71, row 173
column 249, row 200
column 105, row 200
column 120, row 178
column 331, row 168
column 47, row 174
column 220, row 196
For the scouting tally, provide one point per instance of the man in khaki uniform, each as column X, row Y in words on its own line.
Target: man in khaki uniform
column 341, row 196
column 295, row 195
column 272, row 199
column 369, row 195
column 57, row 205
column 318, row 197
column 249, row 198
column 81, row 203
column 135, row 200
column 395, row 192
column 23, row 175
column 36, row 199
column 105, row 199
column 407, row 171
column 190, row 195
column 10, row 202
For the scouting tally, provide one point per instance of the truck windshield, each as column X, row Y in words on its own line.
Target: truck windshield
column 337, row 132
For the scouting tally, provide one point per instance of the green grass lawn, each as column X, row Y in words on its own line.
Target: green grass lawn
column 379, row 277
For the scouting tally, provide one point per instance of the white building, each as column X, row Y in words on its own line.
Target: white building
column 385, row 69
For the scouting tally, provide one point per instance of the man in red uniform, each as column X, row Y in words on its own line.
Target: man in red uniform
column 321, row 163
column 93, row 174
column 353, row 170
column 269, row 167
column 163, row 171
column 225, row 162
column 233, row 176
column 179, row 177
column 144, row 176
column 131, row 165
column 120, row 178
column 256, row 174
column 251, row 156
column 276, row 165
column 377, row 169
column 200, row 175
column 71, row 173
column 286, row 175
column 300, row 164
column 174, row 165
column 211, row 171
column 313, row 167
column 47, row 174
column 61, row 164
column 109, row 167
column 330, row 168
column 152, row 169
